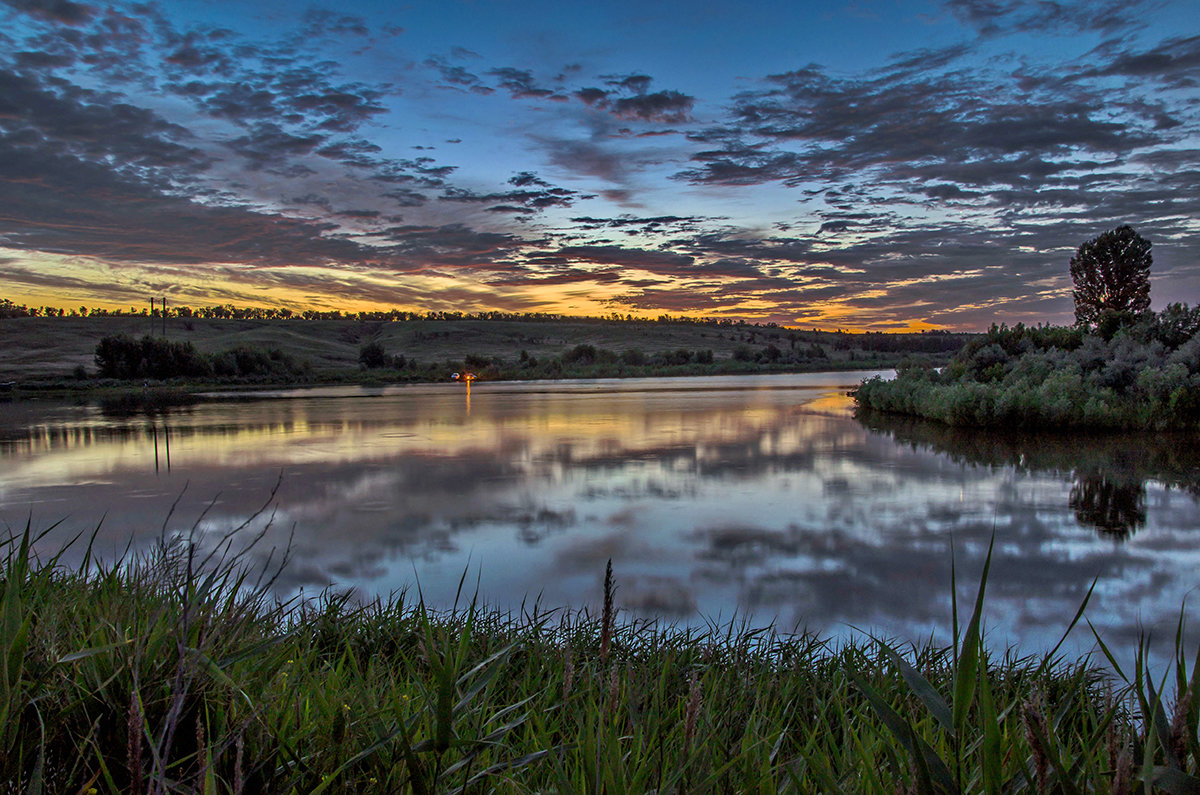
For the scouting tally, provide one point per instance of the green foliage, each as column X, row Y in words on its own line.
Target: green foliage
column 1145, row 374
column 372, row 356
column 580, row 354
column 244, row 362
column 180, row 672
column 1111, row 273
column 120, row 356
column 633, row 356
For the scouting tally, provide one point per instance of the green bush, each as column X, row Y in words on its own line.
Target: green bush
column 120, row 356
column 1139, row 373
column 372, row 356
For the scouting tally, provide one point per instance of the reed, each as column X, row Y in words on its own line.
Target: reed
column 180, row 672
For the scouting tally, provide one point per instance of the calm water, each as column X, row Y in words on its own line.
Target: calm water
column 757, row 497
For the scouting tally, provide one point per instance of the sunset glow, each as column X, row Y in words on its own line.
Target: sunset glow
column 875, row 165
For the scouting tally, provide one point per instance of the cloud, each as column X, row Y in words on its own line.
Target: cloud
column 455, row 75
column 995, row 17
column 654, row 261
column 63, row 11
column 543, row 195
column 270, row 145
column 662, row 106
column 1174, row 62
column 809, row 127
column 644, row 225
column 629, row 98
column 520, row 83
column 587, row 157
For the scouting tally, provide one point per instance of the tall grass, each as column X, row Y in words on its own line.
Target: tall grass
column 179, row 672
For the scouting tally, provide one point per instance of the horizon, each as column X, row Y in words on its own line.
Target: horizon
column 877, row 166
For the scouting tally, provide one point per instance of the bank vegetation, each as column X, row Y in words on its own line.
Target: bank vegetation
column 1131, row 372
column 181, row 672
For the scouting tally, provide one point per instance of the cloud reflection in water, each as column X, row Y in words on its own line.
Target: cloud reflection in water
column 758, row 497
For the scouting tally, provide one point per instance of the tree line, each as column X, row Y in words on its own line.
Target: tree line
column 10, row 309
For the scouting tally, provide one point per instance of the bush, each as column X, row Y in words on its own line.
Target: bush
column 372, row 356
column 1143, row 374
column 580, row 354
column 120, row 356
column 634, row 357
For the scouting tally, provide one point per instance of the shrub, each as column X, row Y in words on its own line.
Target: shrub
column 580, row 354
column 1145, row 375
column 372, row 356
column 634, row 357
column 120, row 356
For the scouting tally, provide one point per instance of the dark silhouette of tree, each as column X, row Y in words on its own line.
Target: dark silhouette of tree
column 1115, row 509
column 1111, row 272
column 372, row 355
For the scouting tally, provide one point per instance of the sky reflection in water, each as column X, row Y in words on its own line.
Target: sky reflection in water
column 760, row 497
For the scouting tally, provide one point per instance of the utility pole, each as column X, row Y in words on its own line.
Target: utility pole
column 151, row 316
column 164, row 303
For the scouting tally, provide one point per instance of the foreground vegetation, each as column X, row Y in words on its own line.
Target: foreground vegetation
column 1131, row 372
column 180, row 673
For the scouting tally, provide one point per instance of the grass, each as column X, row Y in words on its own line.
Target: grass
column 47, row 353
column 179, row 672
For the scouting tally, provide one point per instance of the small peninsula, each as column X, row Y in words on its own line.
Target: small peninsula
column 1121, row 366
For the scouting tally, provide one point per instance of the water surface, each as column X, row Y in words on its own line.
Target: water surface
column 757, row 497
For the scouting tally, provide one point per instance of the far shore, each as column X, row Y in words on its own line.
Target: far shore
column 56, row 357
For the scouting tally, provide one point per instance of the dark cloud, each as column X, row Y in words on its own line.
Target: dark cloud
column 53, row 209
column 520, row 83
column 1174, row 62
column 993, row 17
column 662, row 106
column 591, row 96
column 63, row 11
column 323, row 22
column 634, row 83
column 811, row 127
column 82, row 123
column 457, row 76
column 270, row 145
column 200, row 53
column 561, row 275
column 534, row 194
column 629, row 98
column 644, row 225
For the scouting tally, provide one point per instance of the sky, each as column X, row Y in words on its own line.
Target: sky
column 869, row 165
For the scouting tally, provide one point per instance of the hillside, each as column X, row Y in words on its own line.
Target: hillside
column 38, row 349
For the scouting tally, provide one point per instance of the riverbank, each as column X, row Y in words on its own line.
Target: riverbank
column 179, row 669
column 1141, row 375
column 58, row 354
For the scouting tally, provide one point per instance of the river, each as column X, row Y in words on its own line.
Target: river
column 732, row 498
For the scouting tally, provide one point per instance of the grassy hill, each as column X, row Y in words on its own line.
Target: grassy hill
column 41, row 349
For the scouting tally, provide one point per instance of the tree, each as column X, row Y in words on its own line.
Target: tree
column 372, row 355
column 1111, row 272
